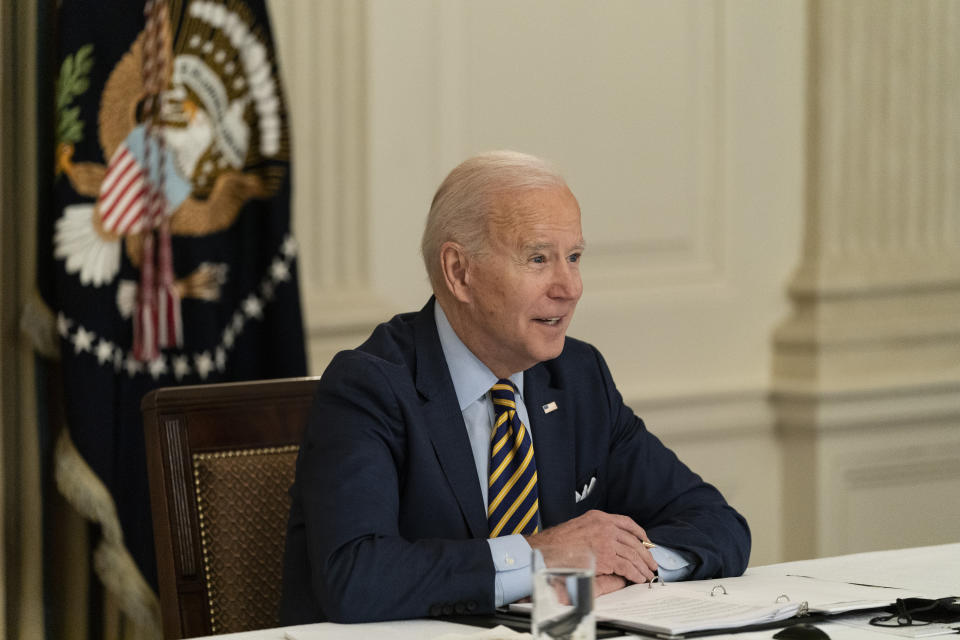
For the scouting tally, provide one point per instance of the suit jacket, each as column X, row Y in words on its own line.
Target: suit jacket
column 387, row 518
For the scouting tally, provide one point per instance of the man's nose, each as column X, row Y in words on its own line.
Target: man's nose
column 566, row 282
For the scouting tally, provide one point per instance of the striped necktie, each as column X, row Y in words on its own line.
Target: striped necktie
column 514, row 502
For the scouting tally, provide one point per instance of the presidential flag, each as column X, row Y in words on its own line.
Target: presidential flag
column 168, row 249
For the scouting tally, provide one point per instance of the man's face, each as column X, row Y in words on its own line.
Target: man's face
column 524, row 287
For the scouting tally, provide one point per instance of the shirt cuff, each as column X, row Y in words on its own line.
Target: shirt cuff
column 673, row 565
column 511, row 559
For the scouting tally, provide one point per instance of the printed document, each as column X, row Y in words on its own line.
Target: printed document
column 677, row 608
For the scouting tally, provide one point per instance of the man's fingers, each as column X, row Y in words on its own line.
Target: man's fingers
column 633, row 536
column 629, row 525
column 607, row 583
column 647, row 559
column 630, row 572
column 633, row 570
column 625, row 558
column 633, row 543
column 634, row 550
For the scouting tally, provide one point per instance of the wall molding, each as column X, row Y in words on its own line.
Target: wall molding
column 810, row 410
column 934, row 468
column 853, row 452
column 698, row 256
column 711, row 414
column 878, row 492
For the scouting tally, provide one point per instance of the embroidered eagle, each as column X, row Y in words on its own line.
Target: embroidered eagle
column 219, row 139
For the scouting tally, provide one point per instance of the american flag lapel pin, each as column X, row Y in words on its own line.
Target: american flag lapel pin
column 550, row 406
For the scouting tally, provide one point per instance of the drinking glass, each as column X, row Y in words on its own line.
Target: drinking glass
column 563, row 594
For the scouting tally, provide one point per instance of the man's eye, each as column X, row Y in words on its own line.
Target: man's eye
column 538, row 259
column 574, row 257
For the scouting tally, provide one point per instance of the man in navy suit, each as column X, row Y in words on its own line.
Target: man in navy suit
column 399, row 507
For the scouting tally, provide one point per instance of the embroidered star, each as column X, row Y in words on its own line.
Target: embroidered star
column 132, row 365
column 253, row 307
column 83, row 340
column 279, row 270
column 228, row 336
column 204, row 364
column 289, row 247
column 158, row 366
column 238, row 322
column 127, row 297
column 63, row 324
column 104, row 351
column 220, row 356
column 181, row 366
column 117, row 359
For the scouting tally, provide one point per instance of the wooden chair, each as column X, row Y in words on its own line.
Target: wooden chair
column 220, row 460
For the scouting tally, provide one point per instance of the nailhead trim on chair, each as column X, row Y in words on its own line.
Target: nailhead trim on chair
column 200, row 457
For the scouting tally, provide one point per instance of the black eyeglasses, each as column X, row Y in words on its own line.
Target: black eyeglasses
column 918, row 612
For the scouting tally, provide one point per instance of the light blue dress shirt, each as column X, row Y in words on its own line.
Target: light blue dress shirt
column 472, row 381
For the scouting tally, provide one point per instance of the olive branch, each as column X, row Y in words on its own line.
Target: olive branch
column 72, row 82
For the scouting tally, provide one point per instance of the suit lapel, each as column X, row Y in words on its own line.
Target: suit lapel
column 553, row 444
column 444, row 422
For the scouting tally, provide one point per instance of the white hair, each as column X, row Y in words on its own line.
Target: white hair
column 470, row 194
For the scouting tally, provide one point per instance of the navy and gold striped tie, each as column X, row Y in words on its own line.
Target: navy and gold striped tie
column 513, row 500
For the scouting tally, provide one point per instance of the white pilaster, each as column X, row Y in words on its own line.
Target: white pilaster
column 867, row 368
column 322, row 50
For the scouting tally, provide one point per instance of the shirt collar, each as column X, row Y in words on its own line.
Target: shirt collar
column 471, row 378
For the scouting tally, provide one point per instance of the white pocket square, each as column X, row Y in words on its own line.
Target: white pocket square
column 578, row 496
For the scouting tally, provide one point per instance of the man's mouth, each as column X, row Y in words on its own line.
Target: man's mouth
column 549, row 321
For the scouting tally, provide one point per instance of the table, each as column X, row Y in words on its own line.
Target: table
column 933, row 571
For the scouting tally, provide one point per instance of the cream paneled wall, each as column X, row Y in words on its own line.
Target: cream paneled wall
column 678, row 126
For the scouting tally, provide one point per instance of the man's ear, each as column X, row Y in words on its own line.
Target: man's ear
column 454, row 263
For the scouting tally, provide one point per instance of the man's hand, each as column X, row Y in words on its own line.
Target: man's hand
column 616, row 542
column 607, row 583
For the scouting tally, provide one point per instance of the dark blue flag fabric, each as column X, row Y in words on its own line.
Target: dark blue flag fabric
column 167, row 255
